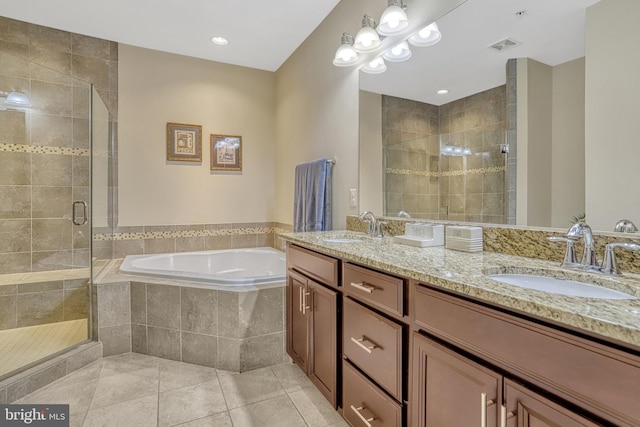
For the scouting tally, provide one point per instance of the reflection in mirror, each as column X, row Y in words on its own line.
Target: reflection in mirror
column 559, row 118
column 446, row 162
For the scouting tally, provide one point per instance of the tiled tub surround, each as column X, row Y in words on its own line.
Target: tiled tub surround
column 191, row 322
column 521, row 241
column 31, row 299
column 140, row 240
column 465, row 273
column 425, row 182
column 44, row 161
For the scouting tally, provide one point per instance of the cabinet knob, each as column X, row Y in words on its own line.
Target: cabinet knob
column 366, row 421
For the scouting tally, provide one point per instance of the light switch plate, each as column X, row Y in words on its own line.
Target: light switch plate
column 353, row 194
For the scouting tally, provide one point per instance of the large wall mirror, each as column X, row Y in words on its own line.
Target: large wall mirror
column 518, row 137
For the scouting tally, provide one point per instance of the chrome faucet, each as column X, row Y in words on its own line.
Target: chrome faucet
column 581, row 229
column 373, row 225
column 589, row 261
column 403, row 214
column 371, row 222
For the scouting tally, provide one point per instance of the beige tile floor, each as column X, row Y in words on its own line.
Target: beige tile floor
column 133, row 390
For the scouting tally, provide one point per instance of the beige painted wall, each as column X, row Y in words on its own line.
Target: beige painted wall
column 567, row 153
column 318, row 111
column 550, row 182
column 611, row 116
column 371, row 167
column 156, row 88
column 534, row 143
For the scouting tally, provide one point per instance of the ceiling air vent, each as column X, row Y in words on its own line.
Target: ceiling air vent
column 504, row 44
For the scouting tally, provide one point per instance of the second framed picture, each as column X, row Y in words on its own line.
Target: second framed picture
column 226, row 153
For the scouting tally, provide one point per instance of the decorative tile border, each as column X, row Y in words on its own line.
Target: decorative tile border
column 475, row 171
column 145, row 235
column 43, row 149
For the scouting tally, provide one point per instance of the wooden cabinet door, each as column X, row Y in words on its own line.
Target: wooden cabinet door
column 450, row 390
column 526, row 409
column 323, row 311
column 298, row 320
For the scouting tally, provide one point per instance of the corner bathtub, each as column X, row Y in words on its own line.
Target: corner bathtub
column 223, row 309
column 232, row 267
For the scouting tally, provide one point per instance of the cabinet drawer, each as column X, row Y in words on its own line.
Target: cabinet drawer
column 364, row 404
column 374, row 344
column 602, row 379
column 378, row 289
column 315, row 265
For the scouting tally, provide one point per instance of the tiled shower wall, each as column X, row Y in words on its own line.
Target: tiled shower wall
column 44, row 150
column 422, row 181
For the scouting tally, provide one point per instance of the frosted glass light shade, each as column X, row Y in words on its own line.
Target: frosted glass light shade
column 393, row 21
column 398, row 53
column 377, row 66
column 428, row 36
column 346, row 55
column 17, row 99
column 367, row 40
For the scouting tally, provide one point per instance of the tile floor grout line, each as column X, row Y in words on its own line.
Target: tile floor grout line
column 93, row 395
column 158, row 391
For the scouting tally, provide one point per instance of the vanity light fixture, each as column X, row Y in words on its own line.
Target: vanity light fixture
column 14, row 99
column 377, row 66
column 219, row 40
column 393, row 20
column 427, row 36
column 346, row 55
column 393, row 23
column 398, row 53
column 367, row 40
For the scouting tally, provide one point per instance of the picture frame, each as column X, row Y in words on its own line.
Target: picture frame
column 226, row 152
column 184, row 142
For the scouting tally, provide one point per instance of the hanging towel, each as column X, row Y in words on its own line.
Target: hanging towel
column 312, row 196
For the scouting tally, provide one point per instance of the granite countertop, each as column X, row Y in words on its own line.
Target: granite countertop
column 465, row 273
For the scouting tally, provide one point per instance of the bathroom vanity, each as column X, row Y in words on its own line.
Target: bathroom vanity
column 394, row 335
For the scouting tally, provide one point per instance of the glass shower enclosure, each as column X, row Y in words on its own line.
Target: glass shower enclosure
column 50, row 200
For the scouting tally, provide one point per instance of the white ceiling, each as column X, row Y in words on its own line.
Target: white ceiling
column 263, row 34
column 551, row 31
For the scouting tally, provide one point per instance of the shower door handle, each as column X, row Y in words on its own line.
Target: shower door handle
column 80, row 218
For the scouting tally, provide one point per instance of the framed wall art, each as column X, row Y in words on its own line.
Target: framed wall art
column 226, row 153
column 184, row 142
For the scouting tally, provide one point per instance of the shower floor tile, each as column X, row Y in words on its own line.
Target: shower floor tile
column 22, row 346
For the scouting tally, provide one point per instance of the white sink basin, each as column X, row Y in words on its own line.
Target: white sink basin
column 342, row 240
column 559, row 286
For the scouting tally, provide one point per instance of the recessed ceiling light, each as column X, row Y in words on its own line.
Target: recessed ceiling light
column 442, row 92
column 219, row 40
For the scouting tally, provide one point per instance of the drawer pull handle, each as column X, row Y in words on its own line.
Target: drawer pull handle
column 357, row 410
column 366, row 288
column 305, row 307
column 300, row 299
column 360, row 344
column 504, row 416
column 483, row 410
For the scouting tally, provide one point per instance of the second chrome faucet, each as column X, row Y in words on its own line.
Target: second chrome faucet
column 589, row 262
